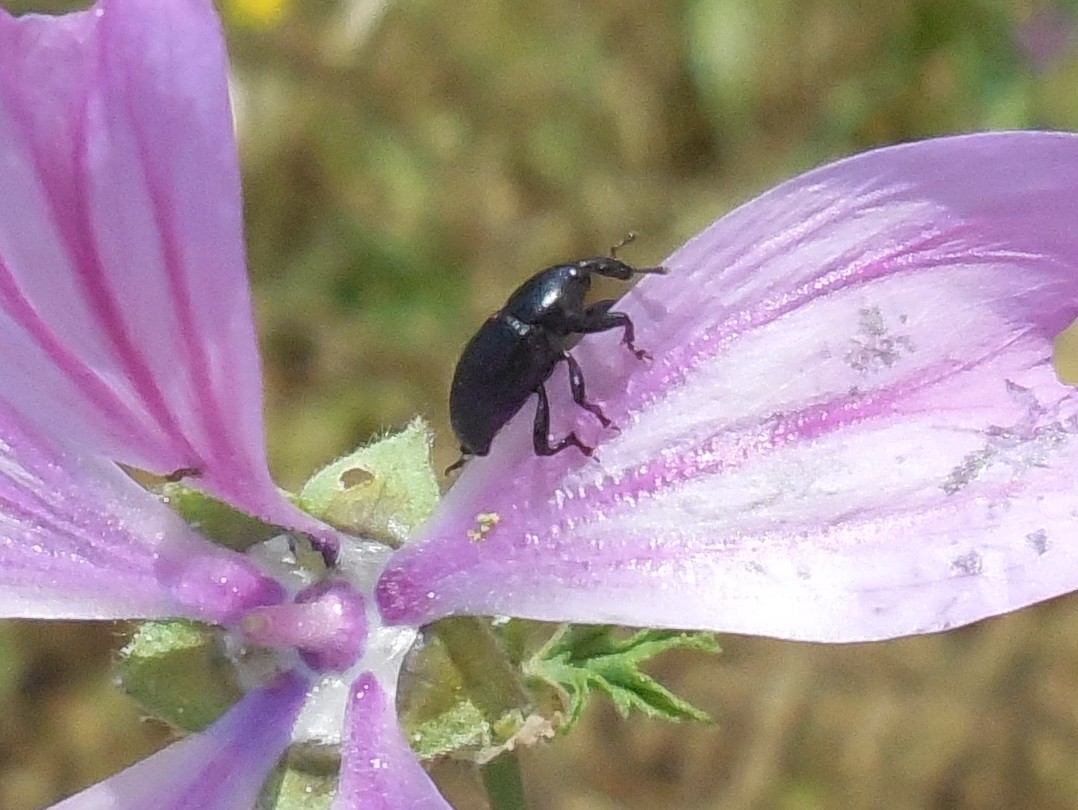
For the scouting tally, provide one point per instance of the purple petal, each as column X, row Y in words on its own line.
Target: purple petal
column 851, row 428
column 80, row 540
column 222, row 768
column 125, row 315
column 378, row 769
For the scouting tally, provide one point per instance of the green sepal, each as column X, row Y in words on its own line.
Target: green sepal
column 305, row 779
column 178, row 672
column 578, row 661
column 382, row 491
column 215, row 519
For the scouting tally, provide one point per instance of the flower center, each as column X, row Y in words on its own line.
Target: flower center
column 326, row 624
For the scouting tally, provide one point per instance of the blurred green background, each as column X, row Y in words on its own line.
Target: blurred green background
column 408, row 163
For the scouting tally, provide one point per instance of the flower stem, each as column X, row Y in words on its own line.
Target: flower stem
column 490, row 679
column 503, row 782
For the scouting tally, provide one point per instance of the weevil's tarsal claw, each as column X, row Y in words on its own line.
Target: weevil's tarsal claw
column 456, row 465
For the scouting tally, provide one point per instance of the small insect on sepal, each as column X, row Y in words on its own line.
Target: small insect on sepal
column 176, row 476
column 518, row 347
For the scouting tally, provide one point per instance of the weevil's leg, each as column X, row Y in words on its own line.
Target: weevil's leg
column 541, row 431
column 576, row 385
column 599, row 318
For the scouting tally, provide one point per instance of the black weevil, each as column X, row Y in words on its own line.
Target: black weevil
column 518, row 347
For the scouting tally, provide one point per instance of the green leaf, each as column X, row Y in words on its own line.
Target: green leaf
column 579, row 661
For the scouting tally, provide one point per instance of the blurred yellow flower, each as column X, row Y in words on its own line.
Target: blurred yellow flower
column 255, row 13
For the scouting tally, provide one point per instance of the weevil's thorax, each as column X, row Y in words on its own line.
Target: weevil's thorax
column 549, row 296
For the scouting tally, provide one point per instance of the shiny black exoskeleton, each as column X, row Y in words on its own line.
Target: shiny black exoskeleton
column 520, row 345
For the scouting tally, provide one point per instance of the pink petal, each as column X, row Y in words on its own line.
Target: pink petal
column 125, row 315
column 851, row 429
column 378, row 769
column 222, row 768
column 80, row 540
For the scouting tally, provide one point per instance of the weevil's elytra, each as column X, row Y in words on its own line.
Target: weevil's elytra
column 517, row 348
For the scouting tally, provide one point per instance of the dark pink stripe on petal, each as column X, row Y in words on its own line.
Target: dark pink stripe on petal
column 79, row 539
column 118, row 421
column 191, row 350
column 173, row 117
column 107, row 310
column 129, row 325
column 72, row 322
